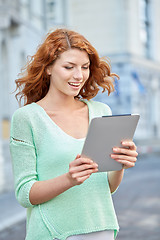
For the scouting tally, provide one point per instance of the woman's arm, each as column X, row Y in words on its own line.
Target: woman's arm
column 79, row 170
column 114, row 179
column 125, row 155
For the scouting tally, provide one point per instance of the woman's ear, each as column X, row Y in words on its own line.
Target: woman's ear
column 48, row 70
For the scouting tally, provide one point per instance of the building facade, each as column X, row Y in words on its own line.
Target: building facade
column 126, row 31
column 23, row 24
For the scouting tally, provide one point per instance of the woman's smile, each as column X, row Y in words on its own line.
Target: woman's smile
column 75, row 85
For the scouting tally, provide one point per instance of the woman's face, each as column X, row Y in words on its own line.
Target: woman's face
column 69, row 72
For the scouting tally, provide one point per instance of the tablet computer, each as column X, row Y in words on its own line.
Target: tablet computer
column 106, row 132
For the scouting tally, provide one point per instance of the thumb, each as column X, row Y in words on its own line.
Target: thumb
column 78, row 156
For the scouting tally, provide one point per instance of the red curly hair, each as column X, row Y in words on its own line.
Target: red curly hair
column 34, row 82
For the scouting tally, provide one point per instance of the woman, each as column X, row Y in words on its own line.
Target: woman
column 63, row 196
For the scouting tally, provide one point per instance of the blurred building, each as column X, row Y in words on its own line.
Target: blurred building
column 125, row 31
column 128, row 33
column 23, row 24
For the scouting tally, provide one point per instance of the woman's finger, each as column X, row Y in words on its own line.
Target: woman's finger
column 125, row 151
column 129, row 144
column 123, row 157
column 83, row 167
column 81, row 160
column 126, row 164
column 87, row 172
column 80, row 180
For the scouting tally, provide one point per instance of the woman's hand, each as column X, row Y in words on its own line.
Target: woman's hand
column 80, row 169
column 126, row 154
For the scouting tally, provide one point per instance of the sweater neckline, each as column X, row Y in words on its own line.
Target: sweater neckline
column 58, row 127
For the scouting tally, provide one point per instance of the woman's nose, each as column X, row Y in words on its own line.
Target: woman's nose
column 78, row 74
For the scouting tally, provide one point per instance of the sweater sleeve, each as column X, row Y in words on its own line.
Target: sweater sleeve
column 100, row 109
column 106, row 110
column 23, row 155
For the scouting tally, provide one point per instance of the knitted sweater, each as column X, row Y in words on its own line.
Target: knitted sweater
column 41, row 150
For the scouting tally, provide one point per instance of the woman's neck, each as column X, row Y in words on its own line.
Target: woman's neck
column 58, row 101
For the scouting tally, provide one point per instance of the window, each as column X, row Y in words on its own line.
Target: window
column 5, row 128
column 55, row 11
column 51, row 9
column 144, row 25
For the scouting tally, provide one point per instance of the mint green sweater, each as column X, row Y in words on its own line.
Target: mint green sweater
column 41, row 150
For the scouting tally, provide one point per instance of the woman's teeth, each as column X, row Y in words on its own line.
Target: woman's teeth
column 74, row 84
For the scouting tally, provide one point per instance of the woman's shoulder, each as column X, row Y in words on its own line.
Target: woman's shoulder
column 100, row 107
column 23, row 112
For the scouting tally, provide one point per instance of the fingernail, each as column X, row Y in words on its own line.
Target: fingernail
column 114, row 149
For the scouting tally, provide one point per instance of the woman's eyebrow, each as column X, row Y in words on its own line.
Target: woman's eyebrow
column 86, row 63
column 75, row 63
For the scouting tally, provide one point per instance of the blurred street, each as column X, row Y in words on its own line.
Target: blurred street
column 137, row 201
column 137, row 204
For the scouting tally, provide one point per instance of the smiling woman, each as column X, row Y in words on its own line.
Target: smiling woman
column 63, row 196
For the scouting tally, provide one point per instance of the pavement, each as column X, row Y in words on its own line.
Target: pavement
column 137, row 201
column 137, row 204
column 11, row 212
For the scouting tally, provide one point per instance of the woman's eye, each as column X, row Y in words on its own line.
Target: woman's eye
column 68, row 67
column 85, row 67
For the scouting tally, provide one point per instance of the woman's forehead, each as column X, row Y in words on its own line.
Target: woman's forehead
column 74, row 54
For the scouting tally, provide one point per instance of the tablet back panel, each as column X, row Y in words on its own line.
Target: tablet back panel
column 104, row 133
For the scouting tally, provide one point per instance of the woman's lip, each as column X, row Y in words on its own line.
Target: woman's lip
column 74, row 84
